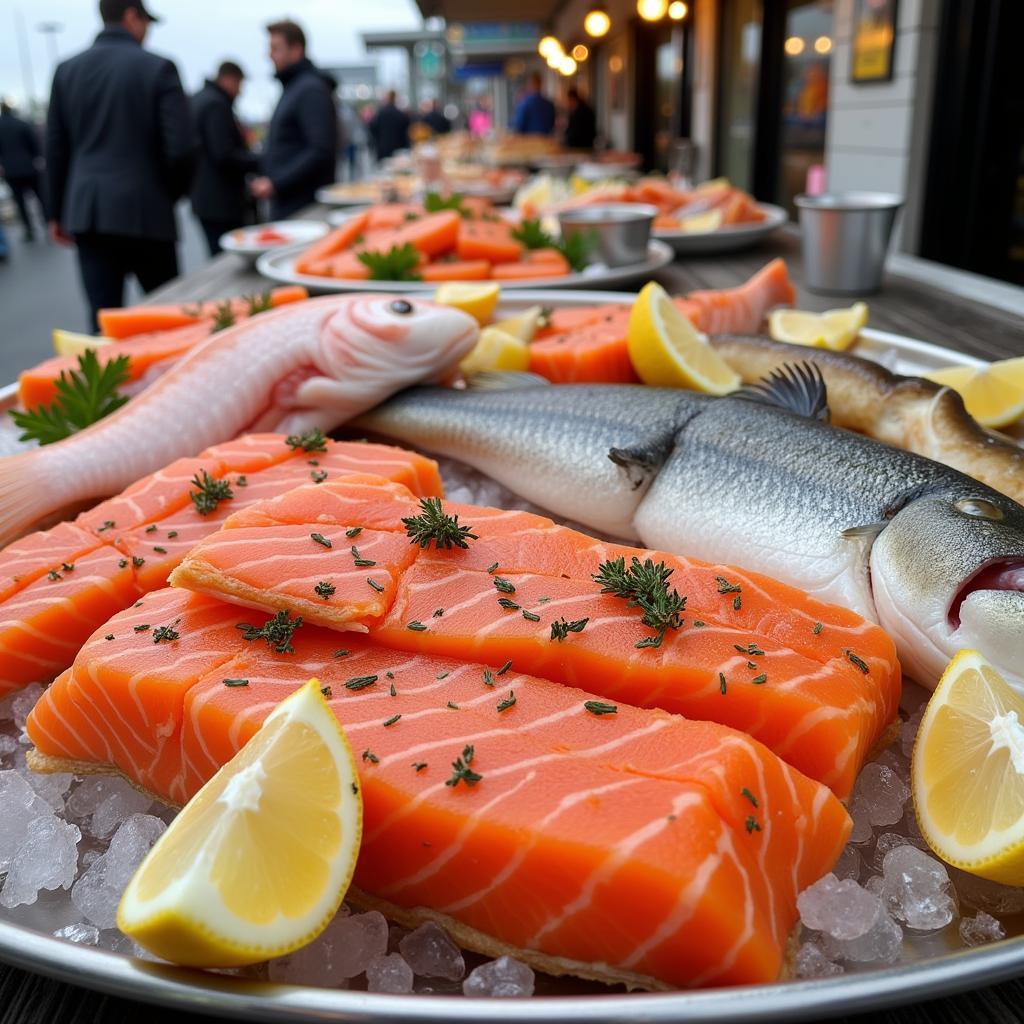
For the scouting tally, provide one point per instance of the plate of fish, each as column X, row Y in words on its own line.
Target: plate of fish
column 450, row 665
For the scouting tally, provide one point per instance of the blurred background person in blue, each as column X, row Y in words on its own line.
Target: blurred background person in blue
column 20, row 157
column 535, row 114
column 219, row 197
column 302, row 139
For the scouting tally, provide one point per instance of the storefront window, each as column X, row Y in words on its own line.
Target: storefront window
column 741, row 55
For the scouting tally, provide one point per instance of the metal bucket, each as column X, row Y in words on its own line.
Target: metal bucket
column 621, row 232
column 845, row 240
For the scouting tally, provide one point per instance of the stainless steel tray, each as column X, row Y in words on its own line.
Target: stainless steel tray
column 198, row 991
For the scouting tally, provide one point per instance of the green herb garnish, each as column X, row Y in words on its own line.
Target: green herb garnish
column 318, row 476
column 530, row 616
column 361, row 682
column 721, row 683
column 309, row 441
column 391, row 720
column 488, row 678
column 599, row 707
column 817, row 628
column 758, row 680
column 278, row 632
column 399, row 263
column 325, row 589
column 418, row 766
column 461, row 772
column 532, row 235
column 644, row 586
column 258, row 302
column 508, row 605
column 434, row 524
column 744, row 792
column 561, row 629
column 434, row 202
column 859, row 662
column 236, row 682
column 504, row 668
column 503, row 585
column 223, row 317
column 84, row 396
column 209, row 493
column 354, row 531
column 362, row 563
column 166, row 634
column 369, row 755
column 416, row 626
column 376, row 586
column 321, row 540
column 508, row 702
column 752, row 825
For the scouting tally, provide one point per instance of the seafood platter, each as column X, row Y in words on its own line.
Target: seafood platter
column 512, row 655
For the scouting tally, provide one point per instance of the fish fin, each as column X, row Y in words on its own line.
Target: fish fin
column 796, row 387
column 868, row 531
column 642, row 461
column 25, row 497
column 504, row 380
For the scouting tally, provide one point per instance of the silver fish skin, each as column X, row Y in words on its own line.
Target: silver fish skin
column 933, row 556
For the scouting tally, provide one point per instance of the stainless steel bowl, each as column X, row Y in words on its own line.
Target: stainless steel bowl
column 845, row 240
column 621, row 231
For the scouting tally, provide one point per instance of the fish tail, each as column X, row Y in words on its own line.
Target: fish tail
column 26, row 494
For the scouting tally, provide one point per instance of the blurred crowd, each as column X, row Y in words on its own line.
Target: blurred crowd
column 123, row 144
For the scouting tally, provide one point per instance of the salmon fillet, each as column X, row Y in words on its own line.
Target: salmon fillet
column 815, row 683
column 628, row 846
column 127, row 545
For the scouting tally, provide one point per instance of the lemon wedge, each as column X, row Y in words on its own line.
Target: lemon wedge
column 836, row 329
column 710, row 220
column 259, row 860
column 496, row 350
column 479, row 300
column 993, row 394
column 712, row 184
column 968, row 771
column 524, row 326
column 70, row 343
column 667, row 350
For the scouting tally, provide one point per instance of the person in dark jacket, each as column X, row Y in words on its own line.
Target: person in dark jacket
column 219, row 197
column 119, row 152
column 19, row 163
column 302, row 140
column 433, row 117
column 581, row 125
column 535, row 113
column 389, row 128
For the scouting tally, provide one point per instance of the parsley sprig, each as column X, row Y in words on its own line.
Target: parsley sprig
column 644, row 585
column 84, row 396
column 577, row 249
column 434, row 202
column 399, row 263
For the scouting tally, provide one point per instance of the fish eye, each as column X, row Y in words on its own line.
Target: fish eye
column 979, row 508
column 401, row 307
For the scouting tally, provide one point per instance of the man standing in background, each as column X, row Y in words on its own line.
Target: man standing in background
column 218, row 193
column 19, row 163
column 302, row 140
column 389, row 128
column 535, row 114
column 581, row 125
column 119, row 151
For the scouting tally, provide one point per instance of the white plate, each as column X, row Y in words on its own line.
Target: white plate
column 243, row 241
column 280, row 266
column 725, row 239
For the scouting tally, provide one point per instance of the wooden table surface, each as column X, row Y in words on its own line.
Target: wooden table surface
column 903, row 306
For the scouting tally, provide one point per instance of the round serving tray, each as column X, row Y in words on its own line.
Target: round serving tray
column 731, row 238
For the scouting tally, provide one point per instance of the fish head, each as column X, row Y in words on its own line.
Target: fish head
column 393, row 339
column 947, row 573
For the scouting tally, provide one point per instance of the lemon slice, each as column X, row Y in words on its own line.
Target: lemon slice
column 836, row 329
column 968, row 771
column 70, row 343
column 667, row 350
column 710, row 220
column 259, row 860
column 477, row 299
column 993, row 394
column 712, row 184
column 524, row 326
column 496, row 350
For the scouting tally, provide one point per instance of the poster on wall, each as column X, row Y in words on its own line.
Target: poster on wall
column 874, row 40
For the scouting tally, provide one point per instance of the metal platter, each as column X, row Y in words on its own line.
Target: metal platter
column 731, row 238
column 236, row 997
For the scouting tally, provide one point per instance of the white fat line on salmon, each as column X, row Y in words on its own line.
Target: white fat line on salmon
column 452, row 849
column 624, row 849
column 523, row 850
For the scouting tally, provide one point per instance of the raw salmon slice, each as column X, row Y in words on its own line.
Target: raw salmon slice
column 150, row 527
column 632, row 845
column 814, row 682
column 595, row 352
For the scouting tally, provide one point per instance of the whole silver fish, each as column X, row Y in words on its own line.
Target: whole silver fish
column 933, row 556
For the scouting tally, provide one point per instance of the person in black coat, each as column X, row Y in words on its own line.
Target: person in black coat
column 19, row 163
column 302, row 140
column 581, row 125
column 389, row 128
column 119, row 152
column 219, row 197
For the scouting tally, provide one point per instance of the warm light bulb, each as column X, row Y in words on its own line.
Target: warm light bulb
column 597, row 23
column 823, row 44
column 615, row 64
column 794, row 46
column 651, row 10
column 549, row 45
column 677, row 10
column 553, row 60
column 580, row 52
column 567, row 66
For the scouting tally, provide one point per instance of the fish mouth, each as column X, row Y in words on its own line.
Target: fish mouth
column 1001, row 574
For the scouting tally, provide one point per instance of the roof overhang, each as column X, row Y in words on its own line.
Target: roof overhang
column 541, row 11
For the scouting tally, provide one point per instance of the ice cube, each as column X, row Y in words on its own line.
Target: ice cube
column 117, row 806
column 504, row 977
column 82, row 933
column 860, row 812
column 849, row 864
column 811, row 962
column 431, row 953
column 23, row 702
column 395, row 935
column 8, row 745
column 880, row 943
column 47, row 859
column 982, row 928
column 841, row 909
column 86, row 795
column 883, row 792
column 992, row 897
column 389, row 973
column 916, row 889
column 887, row 841
column 50, row 787
column 343, row 950
column 20, row 805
